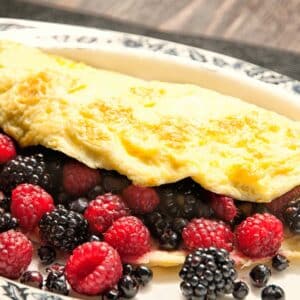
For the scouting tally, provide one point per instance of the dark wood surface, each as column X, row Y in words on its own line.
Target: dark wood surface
column 274, row 23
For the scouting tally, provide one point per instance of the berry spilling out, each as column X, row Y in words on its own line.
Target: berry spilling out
column 223, row 207
column 259, row 235
column 57, row 283
column 25, row 169
column 103, row 211
column 7, row 148
column 93, row 268
column 29, row 203
column 260, row 275
column 63, row 229
column 207, row 233
column 47, row 254
column 15, row 253
column 292, row 215
column 32, row 278
column 207, row 273
column 240, row 290
column 272, row 292
column 7, row 222
column 280, row 262
column 129, row 236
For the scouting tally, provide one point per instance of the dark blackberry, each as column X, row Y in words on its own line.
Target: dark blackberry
column 5, row 203
column 272, row 292
column 280, row 262
column 207, row 273
column 292, row 215
column 32, row 278
column 7, row 221
column 63, row 229
column 260, row 275
column 79, row 205
column 128, row 286
column 47, row 254
column 57, row 283
column 113, row 182
column 178, row 224
column 25, row 169
column 240, row 290
column 169, row 239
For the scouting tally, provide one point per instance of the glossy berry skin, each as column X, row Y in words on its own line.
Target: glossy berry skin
column 93, row 268
column 272, row 292
column 103, row 211
column 143, row 275
column 7, row 148
column 139, row 199
column 240, row 290
column 29, row 203
column 46, row 254
column 259, row 235
column 128, row 286
column 78, row 179
column 260, row 275
column 113, row 294
column 280, row 262
column 7, row 221
column 223, row 207
column 207, row 233
column 32, row 278
column 129, row 236
column 57, row 283
column 169, row 239
column 291, row 216
column 15, row 253
column 79, row 205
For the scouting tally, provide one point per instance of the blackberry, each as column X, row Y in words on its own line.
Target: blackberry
column 169, row 239
column 32, row 278
column 7, row 221
column 47, row 254
column 63, row 229
column 56, row 268
column 272, row 292
column 207, row 273
column 292, row 215
column 25, row 169
column 57, row 283
column 5, row 203
column 260, row 275
column 79, row 205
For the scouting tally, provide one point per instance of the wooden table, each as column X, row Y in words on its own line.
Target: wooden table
column 274, row 23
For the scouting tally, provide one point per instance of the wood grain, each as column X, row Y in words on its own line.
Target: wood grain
column 273, row 23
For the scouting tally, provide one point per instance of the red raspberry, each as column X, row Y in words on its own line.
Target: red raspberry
column 129, row 236
column 15, row 253
column 259, row 235
column 7, row 148
column 140, row 199
column 93, row 268
column 104, row 210
column 78, row 178
column 203, row 233
column 29, row 203
column 223, row 207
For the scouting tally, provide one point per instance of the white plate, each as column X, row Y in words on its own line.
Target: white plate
column 157, row 59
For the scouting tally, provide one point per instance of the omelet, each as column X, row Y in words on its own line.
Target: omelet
column 150, row 131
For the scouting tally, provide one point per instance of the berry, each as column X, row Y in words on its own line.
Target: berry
column 207, row 273
column 96, row 191
column 63, row 229
column 169, row 240
column 240, row 290
column 25, row 169
column 32, row 278
column 47, row 254
column 7, row 221
column 140, row 199
column 5, row 203
column 280, row 262
column 112, row 294
column 291, row 215
column 15, row 253
column 128, row 286
column 114, row 183
column 103, row 211
column 29, row 203
column 207, row 233
column 178, row 224
column 79, row 205
column 93, row 268
column 57, row 283
column 259, row 235
column 260, row 275
column 56, row 268
column 129, row 236
column 95, row 238
column 272, row 292
column 78, row 178
column 223, row 207
column 143, row 275
column 128, row 269
column 7, row 148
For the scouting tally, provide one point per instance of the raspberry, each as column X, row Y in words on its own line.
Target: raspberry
column 204, row 233
column 223, row 207
column 15, row 253
column 29, row 203
column 78, row 178
column 140, row 199
column 259, row 235
column 129, row 236
column 103, row 211
column 7, row 148
column 93, row 268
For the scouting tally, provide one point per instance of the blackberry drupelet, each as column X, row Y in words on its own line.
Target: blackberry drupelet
column 272, row 292
column 292, row 215
column 207, row 273
column 47, row 254
column 57, row 283
column 79, row 205
column 143, row 275
column 128, row 286
column 5, row 203
column 240, row 290
column 7, row 221
column 280, row 262
column 260, row 275
column 113, row 294
column 63, row 229
column 25, row 169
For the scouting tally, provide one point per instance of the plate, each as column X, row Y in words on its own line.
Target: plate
column 158, row 59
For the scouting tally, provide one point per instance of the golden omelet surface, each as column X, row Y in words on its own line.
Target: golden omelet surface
column 152, row 132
